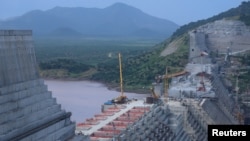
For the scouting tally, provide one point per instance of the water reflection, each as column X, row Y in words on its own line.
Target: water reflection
column 83, row 98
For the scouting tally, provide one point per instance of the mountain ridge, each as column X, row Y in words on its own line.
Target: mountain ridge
column 116, row 20
column 146, row 66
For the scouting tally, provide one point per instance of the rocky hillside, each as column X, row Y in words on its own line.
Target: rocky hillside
column 225, row 29
column 225, row 33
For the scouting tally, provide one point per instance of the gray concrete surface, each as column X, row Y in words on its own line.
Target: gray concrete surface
column 28, row 112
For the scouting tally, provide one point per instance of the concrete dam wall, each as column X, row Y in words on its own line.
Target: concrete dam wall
column 17, row 57
column 28, row 112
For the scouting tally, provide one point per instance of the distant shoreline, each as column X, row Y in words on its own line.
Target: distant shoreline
column 113, row 87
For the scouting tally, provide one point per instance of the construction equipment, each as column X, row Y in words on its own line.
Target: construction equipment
column 166, row 78
column 154, row 95
column 122, row 98
column 229, row 53
column 201, row 86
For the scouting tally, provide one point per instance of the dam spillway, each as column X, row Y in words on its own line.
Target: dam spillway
column 27, row 109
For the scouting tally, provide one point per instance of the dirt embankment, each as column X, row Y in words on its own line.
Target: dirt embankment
column 172, row 47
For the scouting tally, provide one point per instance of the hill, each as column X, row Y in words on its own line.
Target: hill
column 143, row 68
column 118, row 20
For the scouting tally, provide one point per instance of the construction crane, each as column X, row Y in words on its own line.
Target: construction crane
column 229, row 53
column 122, row 98
column 166, row 78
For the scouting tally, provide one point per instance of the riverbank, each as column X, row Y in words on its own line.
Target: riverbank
column 64, row 75
column 110, row 86
column 84, row 98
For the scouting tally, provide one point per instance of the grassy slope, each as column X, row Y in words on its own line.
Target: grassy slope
column 139, row 71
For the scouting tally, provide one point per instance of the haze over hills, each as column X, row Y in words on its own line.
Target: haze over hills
column 228, row 28
column 118, row 20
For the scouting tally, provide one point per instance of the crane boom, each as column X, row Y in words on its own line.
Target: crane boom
column 121, row 81
column 174, row 74
column 167, row 76
column 122, row 98
column 166, row 84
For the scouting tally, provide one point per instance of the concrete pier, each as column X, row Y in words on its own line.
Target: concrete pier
column 28, row 112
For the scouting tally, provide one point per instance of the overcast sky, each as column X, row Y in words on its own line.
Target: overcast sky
column 179, row 11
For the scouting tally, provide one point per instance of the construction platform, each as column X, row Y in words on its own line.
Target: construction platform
column 113, row 120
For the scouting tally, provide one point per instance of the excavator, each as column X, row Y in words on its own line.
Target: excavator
column 154, row 95
column 120, row 99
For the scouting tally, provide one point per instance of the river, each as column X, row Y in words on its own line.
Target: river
column 83, row 98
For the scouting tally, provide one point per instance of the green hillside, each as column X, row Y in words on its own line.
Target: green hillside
column 140, row 71
column 239, row 13
column 141, row 62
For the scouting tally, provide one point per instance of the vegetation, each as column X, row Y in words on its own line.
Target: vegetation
column 89, row 51
column 79, row 58
column 245, row 12
column 242, row 13
column 97, row 59
column 140, row 71
column 244, row 77
column 70, row 65
column 63, row 68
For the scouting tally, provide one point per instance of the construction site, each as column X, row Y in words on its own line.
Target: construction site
column 182, row 109
column 176, row 111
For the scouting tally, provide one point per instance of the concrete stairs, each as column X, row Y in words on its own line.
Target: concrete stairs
column 159, row 124
column 28, row 112
column 28, row 107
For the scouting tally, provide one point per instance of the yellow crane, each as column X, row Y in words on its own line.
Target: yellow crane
column 121, row 81
column 166, row 78
column 122, row 98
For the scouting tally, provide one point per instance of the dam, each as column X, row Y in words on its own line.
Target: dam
column 28, row 112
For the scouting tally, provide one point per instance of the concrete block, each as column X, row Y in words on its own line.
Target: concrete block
column 8, row 106
column 14, row 114
column 59, row 132
column 31, row 118
column 25, row 101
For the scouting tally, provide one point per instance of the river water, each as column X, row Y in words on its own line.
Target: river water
column 83, row 98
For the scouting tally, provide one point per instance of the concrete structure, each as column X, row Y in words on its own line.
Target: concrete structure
column 195, row 84
column 225, row 33
column 184, row 116
column 225, row 105
column 198, row 48
column 143, row 122
column 28, row 112
column 159, row 124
